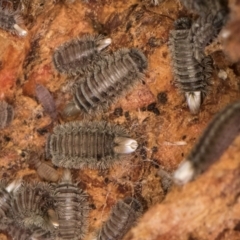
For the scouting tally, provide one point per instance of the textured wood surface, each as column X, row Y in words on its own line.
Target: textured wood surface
column 207, row 208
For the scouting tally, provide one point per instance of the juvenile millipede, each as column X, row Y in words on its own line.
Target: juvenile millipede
column 88, row 144
column 123, row 216
column 72, row 208
column 44, row 169
column 216, row 138
column 45, row 98
column 191, row 77
column 10, row 20
column 6, row 114
column 76, row 55
column 111, row 78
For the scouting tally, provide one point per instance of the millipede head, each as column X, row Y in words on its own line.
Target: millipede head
column 135, row 205
column 139, row 58
column 182, row 23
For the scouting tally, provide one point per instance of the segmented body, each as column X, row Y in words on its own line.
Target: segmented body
column 30, row 204
column 72, row 208
column 5, row 200
column 216, row 138
column 191, row 77
column 111, row 79
column 44, row 170
column 6, row 114
column 83, row 144
column 78, row 54
column 47, row 101
column 203, row 7
column 123, row 216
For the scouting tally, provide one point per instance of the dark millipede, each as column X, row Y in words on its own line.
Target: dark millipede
column 191, row 77
column 216, row 138
column 88, row 144
column 76, row 55
column 123, row 216
column 6, row 114
column 112, row 78
column 10, row 20
column 72, row 209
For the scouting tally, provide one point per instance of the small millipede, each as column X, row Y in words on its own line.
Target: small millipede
column 44, row 169
column 6, row 114
column 216, row 138
column 72, row 208
column 191, row 77
column 123, row 216
column 30, row 204
column 10, row 20
column 78, row 54
column 111, row 78
column 45, row 98
column 95, row 145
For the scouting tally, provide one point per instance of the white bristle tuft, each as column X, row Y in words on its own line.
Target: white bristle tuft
column 104, row 43
column 193, row 101
column 125, row 145
column 184, row 173
column 21, row 32
column 14, row 185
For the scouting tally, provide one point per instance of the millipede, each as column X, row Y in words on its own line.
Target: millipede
column 44, row 169
column 191, row 77
column 77, row 55
column 6, row 114
column 123, row 216
column 216, row 138
column 46, row 99
column 30, row 204
column 96, row 145
column 72, row 208
column 10, row 20
column 6, row 191
column 112, row 78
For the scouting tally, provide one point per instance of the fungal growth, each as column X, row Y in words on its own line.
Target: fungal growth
column 123, row 216
column 191, row 77
column 96, row 145
column 10, row 20
column 45, row 98
column 30, row 204
column 216, row 138
column 6, row 114
column 78, row 54
column 72, row 208
column 44, row 169
column 111, row 79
